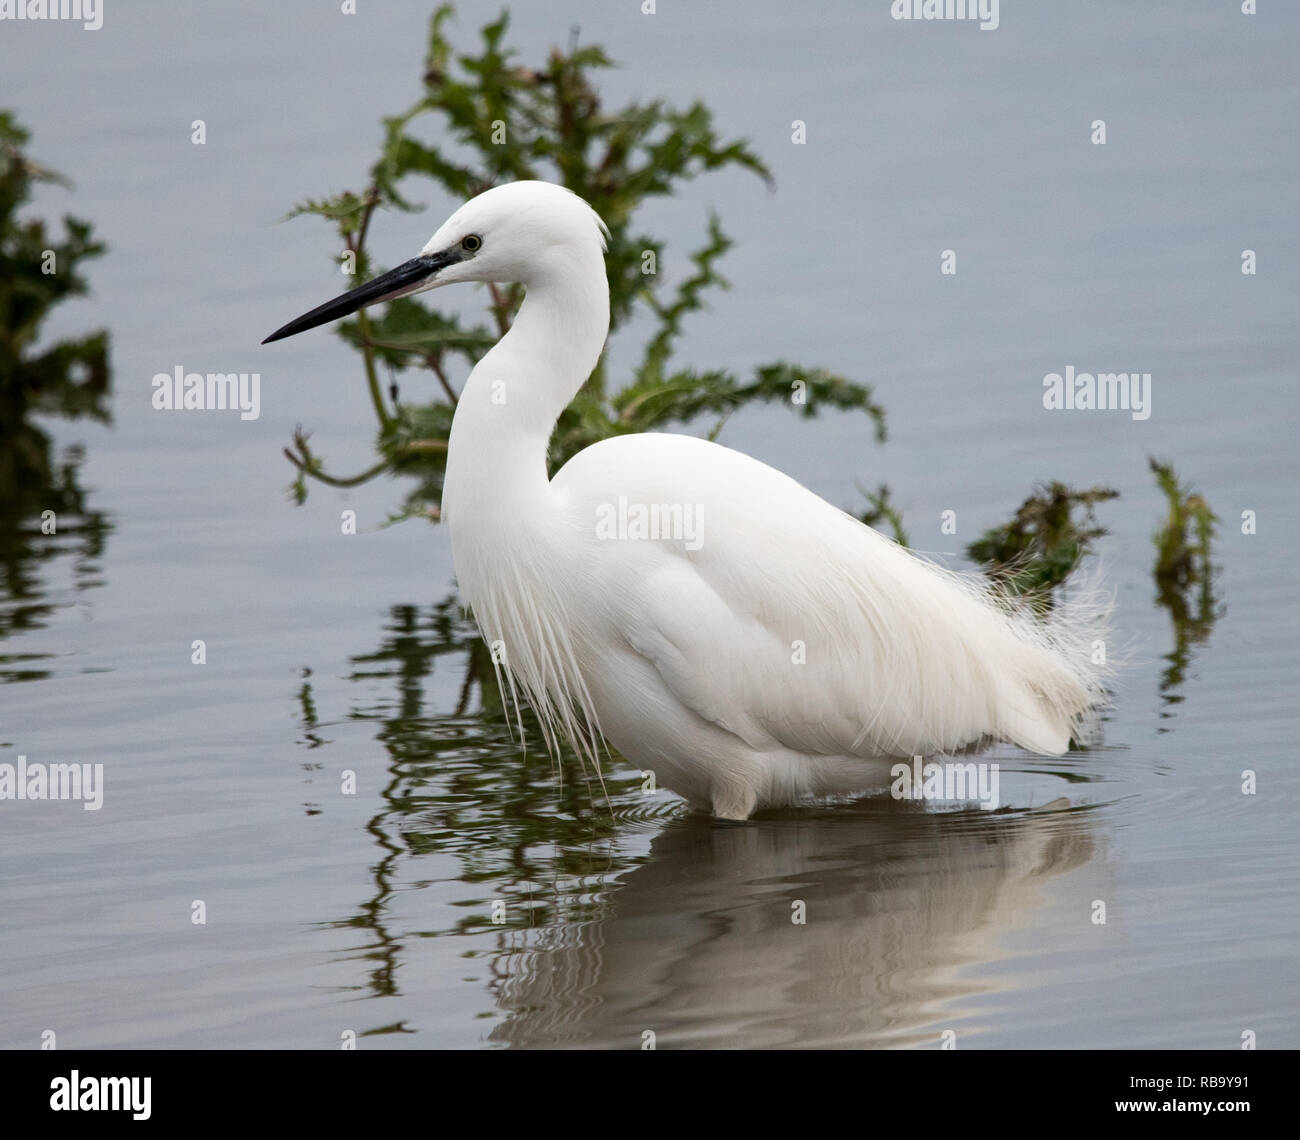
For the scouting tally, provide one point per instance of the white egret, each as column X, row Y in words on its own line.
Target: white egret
column 714, row 620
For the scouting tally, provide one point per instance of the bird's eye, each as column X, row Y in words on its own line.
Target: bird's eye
column 471, row 243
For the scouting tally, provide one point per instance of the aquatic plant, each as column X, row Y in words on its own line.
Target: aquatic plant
column 69, row 378
column 1044, row 541
column 1184, row 573
column 495, row 120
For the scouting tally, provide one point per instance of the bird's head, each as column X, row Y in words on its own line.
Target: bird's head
column 520, row 232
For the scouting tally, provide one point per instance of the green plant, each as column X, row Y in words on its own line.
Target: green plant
column 1183, row 542
column 882, row 510
column 1184, row 572
column 1039, row 548
column 498, row 121
column 69, row 378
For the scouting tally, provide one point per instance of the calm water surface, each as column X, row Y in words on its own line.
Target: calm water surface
column 373, row 912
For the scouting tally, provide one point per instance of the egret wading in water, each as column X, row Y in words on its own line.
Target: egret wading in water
column 714, row 620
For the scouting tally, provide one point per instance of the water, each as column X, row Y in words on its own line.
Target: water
column 328, row 654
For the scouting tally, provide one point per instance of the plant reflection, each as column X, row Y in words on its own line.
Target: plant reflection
column 533, row 844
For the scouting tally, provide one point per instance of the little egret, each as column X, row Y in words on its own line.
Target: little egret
column 717, row 622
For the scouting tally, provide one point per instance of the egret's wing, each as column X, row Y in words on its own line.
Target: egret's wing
column 790, row 624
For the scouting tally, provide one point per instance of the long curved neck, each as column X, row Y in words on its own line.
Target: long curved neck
column 496, row 453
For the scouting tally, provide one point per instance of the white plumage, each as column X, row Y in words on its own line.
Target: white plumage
column 781, row 649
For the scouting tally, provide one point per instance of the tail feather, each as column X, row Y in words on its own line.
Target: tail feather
column 1063, row 676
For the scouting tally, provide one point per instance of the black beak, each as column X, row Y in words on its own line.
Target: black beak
column 395, row 283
